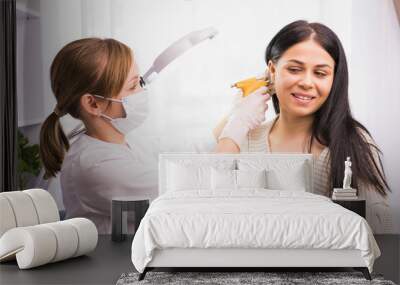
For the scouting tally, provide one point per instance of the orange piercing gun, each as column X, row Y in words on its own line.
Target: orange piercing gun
column 251, row 84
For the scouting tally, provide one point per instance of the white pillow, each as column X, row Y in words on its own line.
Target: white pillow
column 281, row 174
column 227, row 179
column 251, row 178
column 193, row 174
column 223, row 179
column 188, row 177
column 292, row 180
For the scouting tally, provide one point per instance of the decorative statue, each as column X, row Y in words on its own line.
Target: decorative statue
column 347, row 174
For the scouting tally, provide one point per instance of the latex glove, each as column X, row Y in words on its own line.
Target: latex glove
column 238, row 96
column 247, row 115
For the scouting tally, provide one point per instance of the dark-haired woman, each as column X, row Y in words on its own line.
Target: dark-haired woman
column 308, row 69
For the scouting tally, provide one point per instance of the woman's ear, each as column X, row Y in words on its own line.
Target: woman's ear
column 271, row 70
column 89, row 105
column 271, row 77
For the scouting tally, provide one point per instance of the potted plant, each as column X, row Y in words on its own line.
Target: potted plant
column 29, row 164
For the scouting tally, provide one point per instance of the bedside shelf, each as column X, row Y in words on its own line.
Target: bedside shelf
column 357, row 206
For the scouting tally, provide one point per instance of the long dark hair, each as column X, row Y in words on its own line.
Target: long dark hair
column 333, row 124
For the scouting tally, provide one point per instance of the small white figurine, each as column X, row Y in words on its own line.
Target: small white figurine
column 347, row 174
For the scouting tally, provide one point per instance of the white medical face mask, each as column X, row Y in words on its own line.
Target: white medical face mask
column 136, row 109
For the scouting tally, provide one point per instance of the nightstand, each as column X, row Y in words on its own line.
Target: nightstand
column 357, row 206
column 119, row 207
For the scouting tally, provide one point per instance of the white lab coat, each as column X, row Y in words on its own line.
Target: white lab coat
column 94, row 171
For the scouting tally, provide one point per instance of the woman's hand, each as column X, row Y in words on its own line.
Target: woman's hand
column 247, row 115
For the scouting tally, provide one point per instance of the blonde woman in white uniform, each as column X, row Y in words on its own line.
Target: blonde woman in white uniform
column 97, row 81
column 308, row 69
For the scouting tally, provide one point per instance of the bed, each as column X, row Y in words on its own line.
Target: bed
column 245, row 211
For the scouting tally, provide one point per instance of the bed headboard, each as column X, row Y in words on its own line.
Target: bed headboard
column 273, row 160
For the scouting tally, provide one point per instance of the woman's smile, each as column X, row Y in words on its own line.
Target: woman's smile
column 302, row 98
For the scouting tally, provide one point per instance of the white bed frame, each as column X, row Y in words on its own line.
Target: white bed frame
column 246, row 257
column 236, row 257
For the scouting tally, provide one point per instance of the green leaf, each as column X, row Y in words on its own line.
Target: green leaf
column 28, row 159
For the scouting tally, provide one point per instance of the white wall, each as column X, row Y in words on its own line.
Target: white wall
column 374, row 86
column 191, row 94
column 29, row 84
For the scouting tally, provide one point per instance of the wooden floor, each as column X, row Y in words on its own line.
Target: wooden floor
column 111, row 259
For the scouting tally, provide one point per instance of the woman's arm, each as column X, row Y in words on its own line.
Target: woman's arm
column 232, row 132
column 220, row 126
column 225, row 145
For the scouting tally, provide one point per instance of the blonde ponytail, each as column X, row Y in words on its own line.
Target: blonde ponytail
column 53, row 145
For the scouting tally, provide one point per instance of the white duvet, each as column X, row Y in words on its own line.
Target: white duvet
column 250, row 219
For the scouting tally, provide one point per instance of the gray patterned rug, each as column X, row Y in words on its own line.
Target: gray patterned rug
column 229, row 278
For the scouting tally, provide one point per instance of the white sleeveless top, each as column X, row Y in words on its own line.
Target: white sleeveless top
column 377, row 208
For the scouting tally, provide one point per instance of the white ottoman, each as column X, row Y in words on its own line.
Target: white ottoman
column 31, row 233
